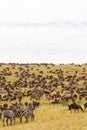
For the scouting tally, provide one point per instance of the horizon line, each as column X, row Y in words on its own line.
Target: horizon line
column 74, row 24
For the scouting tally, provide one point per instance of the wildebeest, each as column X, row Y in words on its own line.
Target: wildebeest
column 85, row 105
column 75, row 107
column 36, row 103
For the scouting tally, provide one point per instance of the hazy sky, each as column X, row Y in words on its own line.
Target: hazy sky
column 53, row 31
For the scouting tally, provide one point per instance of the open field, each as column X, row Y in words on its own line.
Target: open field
column 53, row 117
column 53, row 86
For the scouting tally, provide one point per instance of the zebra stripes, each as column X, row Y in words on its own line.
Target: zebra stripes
column 26, row 113
column 15, row 111
column 8, row 114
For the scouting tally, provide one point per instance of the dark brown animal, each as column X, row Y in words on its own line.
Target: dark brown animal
column 85, row 105
column 75, row 107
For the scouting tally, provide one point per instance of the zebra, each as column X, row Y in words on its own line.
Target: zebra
column 8, row 114
column 17, row 112
column 23, row 112
column 26, row 112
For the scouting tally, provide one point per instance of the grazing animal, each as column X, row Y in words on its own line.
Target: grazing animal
column 36, row 103
column 8, row 114
column 26, row 112
column 23, row 112
column 85, row 105
column 75, row 107
column 56, row 101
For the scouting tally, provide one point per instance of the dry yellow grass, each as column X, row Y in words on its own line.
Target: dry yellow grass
column 52, row 117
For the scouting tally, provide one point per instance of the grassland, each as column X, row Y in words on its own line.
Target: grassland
column 48, row 116
column 53, row 117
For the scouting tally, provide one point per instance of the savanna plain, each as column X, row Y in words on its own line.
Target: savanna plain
column 53, row 86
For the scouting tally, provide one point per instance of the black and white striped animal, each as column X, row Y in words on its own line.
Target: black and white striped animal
column 17, row 112
column 8, row 115
column 27, row 113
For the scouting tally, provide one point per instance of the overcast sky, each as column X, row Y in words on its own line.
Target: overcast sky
column 35, row 31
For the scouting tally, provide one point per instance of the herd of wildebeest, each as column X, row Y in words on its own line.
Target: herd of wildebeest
column 35, row 81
